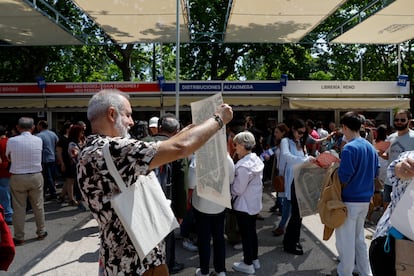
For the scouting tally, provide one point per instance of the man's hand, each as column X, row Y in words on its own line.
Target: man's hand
column 225, row 112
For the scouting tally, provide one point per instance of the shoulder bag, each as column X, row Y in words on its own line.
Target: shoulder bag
column 279, row 181
column 402, row 221
column 404, row 257
column 143, row 209
column 402, row 217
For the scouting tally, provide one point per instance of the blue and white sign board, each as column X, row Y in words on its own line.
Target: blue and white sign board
column 41, row 82
column 402, row 80
column 252, row 86
column 209, row 86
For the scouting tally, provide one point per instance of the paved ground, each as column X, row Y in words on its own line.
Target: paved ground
column 72, row 244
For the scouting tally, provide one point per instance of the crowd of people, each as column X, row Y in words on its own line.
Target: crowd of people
column 31, row 160
column 368, row 152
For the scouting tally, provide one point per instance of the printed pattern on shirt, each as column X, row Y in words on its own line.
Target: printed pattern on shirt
column 398, row 189
column 132, row 158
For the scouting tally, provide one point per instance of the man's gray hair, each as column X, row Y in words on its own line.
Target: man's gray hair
column 25, row 123
column 104, row 99
column 168, row 123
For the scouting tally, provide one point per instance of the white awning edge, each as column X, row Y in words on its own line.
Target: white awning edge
column 348, row 103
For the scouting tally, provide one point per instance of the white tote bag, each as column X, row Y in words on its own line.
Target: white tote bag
column 402, row 217
column 143, row 209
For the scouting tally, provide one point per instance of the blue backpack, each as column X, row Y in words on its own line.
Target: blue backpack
column 164, row 175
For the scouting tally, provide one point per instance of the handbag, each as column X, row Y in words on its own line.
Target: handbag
column 279, row 181
column 402, row 217
column 404, row 257
column 142, row 208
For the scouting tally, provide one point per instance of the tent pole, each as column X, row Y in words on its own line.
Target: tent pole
column 177, row 64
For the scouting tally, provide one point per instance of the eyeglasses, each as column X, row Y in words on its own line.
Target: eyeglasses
column 300, row 132
column 402, row 120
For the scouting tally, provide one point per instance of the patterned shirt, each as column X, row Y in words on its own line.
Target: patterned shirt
column 398, row 189
column 131, row 157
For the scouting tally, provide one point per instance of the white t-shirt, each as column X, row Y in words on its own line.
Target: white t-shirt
column 201, row 204
column 398, row 145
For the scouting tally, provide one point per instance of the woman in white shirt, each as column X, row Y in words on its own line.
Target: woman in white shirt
column 210, row 218
column 246, row 191
column 293, row 152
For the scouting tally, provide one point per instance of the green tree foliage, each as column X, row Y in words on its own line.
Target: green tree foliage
column 78, row 64
column 24, row 64
column 206, row 57
column 269, row 61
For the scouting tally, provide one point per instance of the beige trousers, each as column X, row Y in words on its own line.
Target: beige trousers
column 23, row 187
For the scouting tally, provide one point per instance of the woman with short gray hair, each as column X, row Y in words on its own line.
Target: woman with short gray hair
column 245, row 138
column 246, row 192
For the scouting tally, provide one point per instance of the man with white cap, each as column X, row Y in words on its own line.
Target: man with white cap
column 153, row 126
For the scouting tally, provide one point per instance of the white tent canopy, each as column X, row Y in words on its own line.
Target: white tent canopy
column 132, row 21
column 276, row 21
column 391, row 25
column 21, row 24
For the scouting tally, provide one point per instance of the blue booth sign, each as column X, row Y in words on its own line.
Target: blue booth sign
column 402, row 80
column 195, row 87
column 41, row 82
column 225, row 86
column 252, row 86
column 161, row 82
column 283, row 79
column 200, row 86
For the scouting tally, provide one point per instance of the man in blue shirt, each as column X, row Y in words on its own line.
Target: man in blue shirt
column 50, row 140
column 357, row 170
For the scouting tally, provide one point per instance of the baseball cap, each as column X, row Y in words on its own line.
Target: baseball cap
column 153, row 122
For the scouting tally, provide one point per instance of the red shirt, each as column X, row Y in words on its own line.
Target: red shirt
column 4, row 165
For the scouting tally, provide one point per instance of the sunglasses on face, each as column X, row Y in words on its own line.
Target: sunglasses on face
column 402, row 120
column 300, row 132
